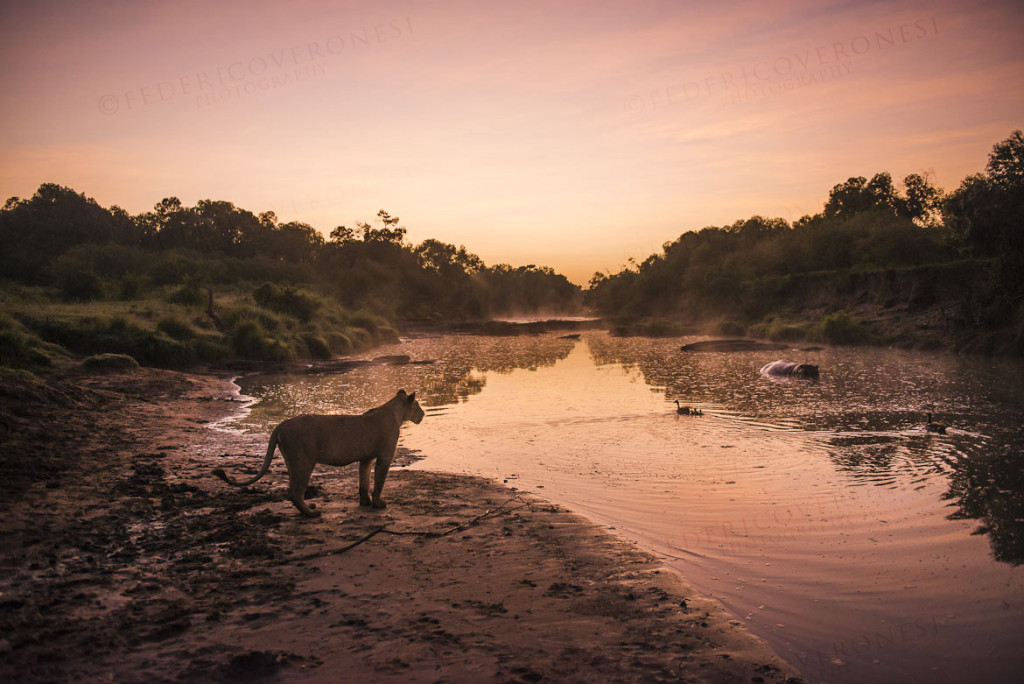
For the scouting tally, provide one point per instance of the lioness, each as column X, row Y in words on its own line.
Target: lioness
column 338, row 440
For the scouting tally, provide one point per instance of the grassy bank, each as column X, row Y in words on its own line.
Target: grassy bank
column 936, row 306
column 176, row 327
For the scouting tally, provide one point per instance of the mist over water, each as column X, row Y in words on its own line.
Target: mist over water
column 822, row 514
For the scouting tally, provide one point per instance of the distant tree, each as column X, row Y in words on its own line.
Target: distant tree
column 296, row 241
column 391, row 232
column 923, row 201
column 858, row 195
column 1006, row 162
column 986, row 213
column 342, row 235
column 445, row 259
column 35, row 231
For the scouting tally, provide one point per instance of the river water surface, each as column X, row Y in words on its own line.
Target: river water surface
column 823, row 514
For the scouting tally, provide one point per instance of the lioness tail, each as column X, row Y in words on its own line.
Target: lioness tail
column 219, row 472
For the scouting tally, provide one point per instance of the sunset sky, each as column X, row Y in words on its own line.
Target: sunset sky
column 568, row 134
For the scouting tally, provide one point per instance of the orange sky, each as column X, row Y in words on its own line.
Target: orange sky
column 569, row 134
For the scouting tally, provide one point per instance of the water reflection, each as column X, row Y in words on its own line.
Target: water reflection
column 868, row 409
column 460, row 363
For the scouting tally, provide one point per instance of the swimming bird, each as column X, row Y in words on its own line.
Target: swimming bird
column 934, row 427
column 682, row 410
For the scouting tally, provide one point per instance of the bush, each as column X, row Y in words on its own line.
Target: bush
column 286, row 300
column 277, row 350
column 368, row 322
column 110, row 362
column 189, row 294
column 651, row 328
column 210, row 350
column 339, row 342
column 80, row 286
column 176, row 328
column 131, row 286
column 248, row 339
column 317, row 346
column 166, row 351
column 21, row 348
column 773, row 328
column 361, row 339
column 841, row 328
column 729, row 328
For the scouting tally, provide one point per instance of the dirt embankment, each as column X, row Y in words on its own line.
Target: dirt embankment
column 122, row 558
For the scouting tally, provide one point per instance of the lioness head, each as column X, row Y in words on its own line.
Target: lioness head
column 413, row 411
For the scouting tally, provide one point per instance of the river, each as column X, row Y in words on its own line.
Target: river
column 822, row 514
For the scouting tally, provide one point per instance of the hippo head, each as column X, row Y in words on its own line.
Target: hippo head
column 805, row 370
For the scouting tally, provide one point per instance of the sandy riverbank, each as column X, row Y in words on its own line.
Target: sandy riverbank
column 122, row 558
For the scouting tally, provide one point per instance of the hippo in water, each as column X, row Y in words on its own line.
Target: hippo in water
column 788, row 369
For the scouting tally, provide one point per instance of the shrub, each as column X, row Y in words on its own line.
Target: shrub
column 339, row 342
column 841, row 328
column 210, row 350
column 286, row 300
column 80, row 286
column 189, row 294
column 651, row 328
column 368, row 322
column 110, row 362
column 361, row 339
column 176, row 328
column 131, row 286
column 730, row 328
column 317, row 346
column 247, row 340
column 166, row 351
column 21, row 348
column 277, row 350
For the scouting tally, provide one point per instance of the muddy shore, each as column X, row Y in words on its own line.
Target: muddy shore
column 123, row 559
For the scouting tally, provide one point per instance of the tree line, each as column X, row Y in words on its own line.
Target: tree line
column 61, row 238
column 742, row 270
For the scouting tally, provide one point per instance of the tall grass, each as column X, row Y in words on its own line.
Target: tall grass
column 169, row 327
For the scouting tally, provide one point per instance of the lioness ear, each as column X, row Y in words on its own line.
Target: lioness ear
column 400, row 393
column 412, row 397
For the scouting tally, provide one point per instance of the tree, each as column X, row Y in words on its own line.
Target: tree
column 34, row 232
column 923, row 201
column 1006, row 162
column 391, row 232
column 858, row 195
column 342, row 235
column 986, row 213
column 447, row 260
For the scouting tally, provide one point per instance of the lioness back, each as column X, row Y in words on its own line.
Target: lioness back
column 335, row 440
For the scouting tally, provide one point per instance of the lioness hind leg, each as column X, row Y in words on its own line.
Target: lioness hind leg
column 298, row 478
column 364, row 482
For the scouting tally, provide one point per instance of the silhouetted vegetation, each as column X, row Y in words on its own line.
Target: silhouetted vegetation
column 95, row 281
column 878, row 263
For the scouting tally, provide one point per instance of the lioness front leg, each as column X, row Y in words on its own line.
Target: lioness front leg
column 380, row 473
column 364, row 482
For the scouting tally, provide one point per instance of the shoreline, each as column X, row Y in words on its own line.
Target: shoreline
column 125, row 559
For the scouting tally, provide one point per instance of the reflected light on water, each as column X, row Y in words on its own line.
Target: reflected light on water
column 822, row 514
